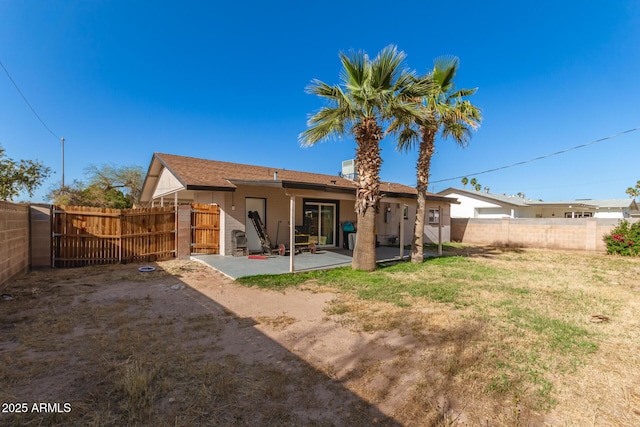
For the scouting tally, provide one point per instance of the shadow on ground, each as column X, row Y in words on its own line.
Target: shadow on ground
column 119, row 347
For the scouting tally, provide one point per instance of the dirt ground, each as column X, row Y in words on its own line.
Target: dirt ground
column 109, row 345
column 184, row 345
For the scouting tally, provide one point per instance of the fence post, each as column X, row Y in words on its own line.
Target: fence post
column 120, row 223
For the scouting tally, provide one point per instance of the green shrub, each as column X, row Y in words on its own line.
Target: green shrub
column 624, row 239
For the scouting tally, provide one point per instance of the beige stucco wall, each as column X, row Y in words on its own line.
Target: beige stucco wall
column 234, row 213
column 431, row 230
column 388, row 225
column 14, row 240
column 551, row 233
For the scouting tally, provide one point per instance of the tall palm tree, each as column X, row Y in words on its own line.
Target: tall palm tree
column 445, row 111
column 464, row 181
column 370, row 93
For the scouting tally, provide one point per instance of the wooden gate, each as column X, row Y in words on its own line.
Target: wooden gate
column 205, row 229
column 86, row 236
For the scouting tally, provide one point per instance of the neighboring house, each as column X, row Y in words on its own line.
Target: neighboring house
column 476, row 204
column 320, row 203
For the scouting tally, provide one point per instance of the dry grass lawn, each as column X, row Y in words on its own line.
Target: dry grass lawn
column 482, row 337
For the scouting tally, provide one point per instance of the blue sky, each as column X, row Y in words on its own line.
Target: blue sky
column 120, row 80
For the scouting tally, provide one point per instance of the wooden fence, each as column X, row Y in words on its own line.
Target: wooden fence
column 85, row 236
column 205, row 229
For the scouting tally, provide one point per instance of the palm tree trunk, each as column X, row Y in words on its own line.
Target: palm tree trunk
column 364, row 252
column 368, row 135
column 422, row 173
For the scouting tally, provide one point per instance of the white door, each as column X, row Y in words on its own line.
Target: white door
column 258, row 205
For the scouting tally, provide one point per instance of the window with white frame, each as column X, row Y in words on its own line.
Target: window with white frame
column 434, row 216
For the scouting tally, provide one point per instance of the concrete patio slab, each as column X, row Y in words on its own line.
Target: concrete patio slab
column 235, row 267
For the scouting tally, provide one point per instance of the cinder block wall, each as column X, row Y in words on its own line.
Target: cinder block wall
column 14, row 240
column 552, row 233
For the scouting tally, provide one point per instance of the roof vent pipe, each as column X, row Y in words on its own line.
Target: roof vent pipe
column 275, row 175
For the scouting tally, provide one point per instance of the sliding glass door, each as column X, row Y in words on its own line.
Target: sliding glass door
column 320, row 218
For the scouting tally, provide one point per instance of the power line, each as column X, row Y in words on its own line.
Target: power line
column 541, row 157
column 27, row 101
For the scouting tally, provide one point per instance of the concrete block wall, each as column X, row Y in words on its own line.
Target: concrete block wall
column 14, row 240
column 549, row 233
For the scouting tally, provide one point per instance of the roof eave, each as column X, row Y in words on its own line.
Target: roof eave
column 319, row 187
column 398, row 194
column 156, row 158
column 443, row 199
column 483, row 196
column 257, row 182
column 210, row 188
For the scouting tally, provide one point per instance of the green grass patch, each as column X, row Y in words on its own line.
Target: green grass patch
column 529, row 304
column 446, row 246
column 438, row 279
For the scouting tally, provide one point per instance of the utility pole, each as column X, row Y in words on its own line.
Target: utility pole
column 62, row 141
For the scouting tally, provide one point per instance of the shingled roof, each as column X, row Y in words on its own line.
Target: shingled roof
column 213, row 175
column 195, row 173
column 489, row 197
column 522, row 202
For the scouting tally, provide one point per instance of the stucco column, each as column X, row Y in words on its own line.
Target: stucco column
column 292, row 232
column 40, row 236
column 439, row 230
column 402, row 230
column 183, row 247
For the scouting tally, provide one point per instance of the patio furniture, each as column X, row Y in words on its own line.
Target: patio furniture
column 239, row 241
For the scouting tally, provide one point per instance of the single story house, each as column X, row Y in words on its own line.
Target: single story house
column 319, row 203
column 477, row 204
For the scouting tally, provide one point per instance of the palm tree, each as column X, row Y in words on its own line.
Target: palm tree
column 371, row 91
column 464, row 181
column 474, row 182
column 444, row 111
column 634, row 192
